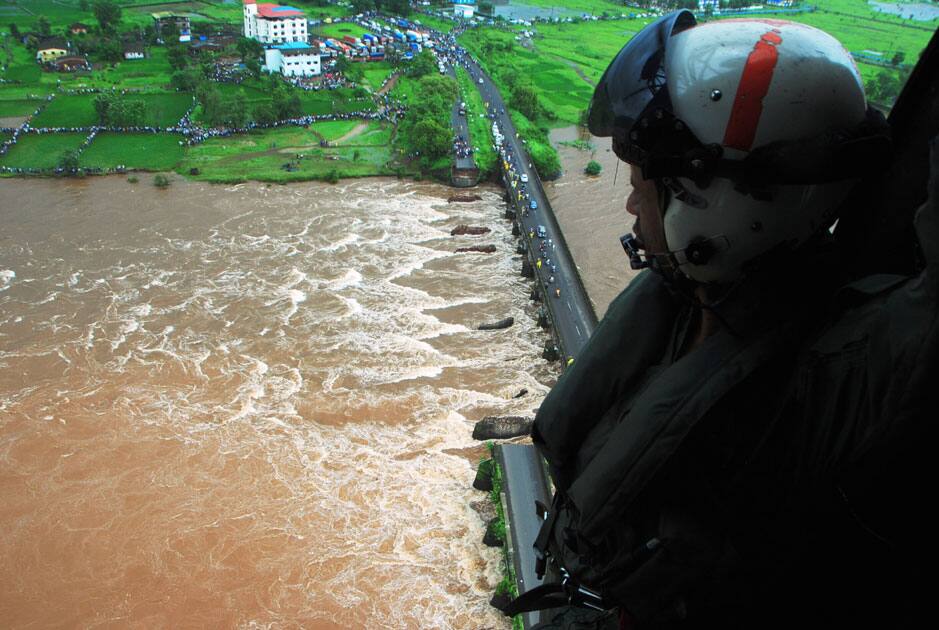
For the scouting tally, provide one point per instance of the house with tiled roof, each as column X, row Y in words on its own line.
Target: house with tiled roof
column 274, row 23
column 50, row 49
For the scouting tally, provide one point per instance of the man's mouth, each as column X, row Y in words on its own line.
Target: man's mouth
column 637, row 231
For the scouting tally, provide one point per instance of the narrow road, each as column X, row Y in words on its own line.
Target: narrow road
column 460, row 128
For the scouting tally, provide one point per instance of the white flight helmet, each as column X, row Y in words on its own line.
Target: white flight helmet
column 756, row 129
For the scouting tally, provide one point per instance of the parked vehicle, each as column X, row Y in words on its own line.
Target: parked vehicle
column 540, row 231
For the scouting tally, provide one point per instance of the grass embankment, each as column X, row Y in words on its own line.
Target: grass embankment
column 480, row 127
column 143, row 151
column 41, row 150
column 508, row 584
column 262, row 155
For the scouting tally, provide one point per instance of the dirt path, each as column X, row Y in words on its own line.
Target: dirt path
column 577, row 69
column 390, row 85
column 359, row 128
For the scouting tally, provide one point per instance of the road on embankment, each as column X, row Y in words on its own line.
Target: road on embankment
column 572, row 314
column 460, row 128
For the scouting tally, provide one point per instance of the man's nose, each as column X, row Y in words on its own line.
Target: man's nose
column 632, row 204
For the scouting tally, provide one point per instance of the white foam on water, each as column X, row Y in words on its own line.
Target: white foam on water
column 339, row 425
column 351, row 278
column 6, row 278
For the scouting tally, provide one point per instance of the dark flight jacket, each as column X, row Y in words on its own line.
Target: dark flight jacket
column 773, row 472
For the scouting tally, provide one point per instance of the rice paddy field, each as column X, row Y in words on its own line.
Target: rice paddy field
column 566, row 60
column 144, row 151
column 41, row 150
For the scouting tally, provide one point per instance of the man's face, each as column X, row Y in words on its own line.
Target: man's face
column 643, row 203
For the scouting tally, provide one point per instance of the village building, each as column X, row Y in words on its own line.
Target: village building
column 162, row 19
column 274, row 24
column 293, row 59
column 134, row 50
column 78, row 29
column 464, row 8
column 51, row 49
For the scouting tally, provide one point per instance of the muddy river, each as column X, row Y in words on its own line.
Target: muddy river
column 592, row 214
column 252, row 405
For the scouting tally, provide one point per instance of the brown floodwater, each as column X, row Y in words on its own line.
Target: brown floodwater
column 251, row 405
column 592, row 214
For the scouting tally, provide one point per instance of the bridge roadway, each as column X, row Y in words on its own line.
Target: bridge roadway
column 572, row 314
column 573, row 320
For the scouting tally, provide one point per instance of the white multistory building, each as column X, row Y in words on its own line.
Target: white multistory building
column 293, row 59
column 273, row 23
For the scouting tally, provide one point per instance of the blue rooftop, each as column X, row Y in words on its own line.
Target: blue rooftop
column 284, row 8
column 291, row 45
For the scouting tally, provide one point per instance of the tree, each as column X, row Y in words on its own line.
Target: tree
column 14, row 30
column 593, row 168
column 441, row 86
column 253, row 67
column 237, row 114
column 160, row 180
column 83, row 5
column 263, row 113
column 361, row 6
column 525, row 100
column 431, row 140
column 398, row 7
column 249, row 49
column 486, row 8
column 69, row 160
column 286, row 104
column 185, row 80
column 107, row 13
column 423, row 64
column 177, row 58
column 45, row 29
column 898, row 58
column 110, row 50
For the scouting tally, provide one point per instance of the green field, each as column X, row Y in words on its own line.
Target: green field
column 18, row 107
column 565, row 60
column 262, row 155
column 68, row 110
column 376, row 134
column 41, row 150
column 163, row 109
column 147, row 151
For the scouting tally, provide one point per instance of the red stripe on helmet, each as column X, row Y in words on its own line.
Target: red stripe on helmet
column 754, row 85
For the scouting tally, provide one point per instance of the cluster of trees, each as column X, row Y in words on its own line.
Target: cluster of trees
column 233, row 110
column 422, row 64
column 398, row 7
column 524, row 99
column 885, row 87
column 119, row 111
column 426, row 129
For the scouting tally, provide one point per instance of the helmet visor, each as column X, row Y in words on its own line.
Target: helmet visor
column 635, row 77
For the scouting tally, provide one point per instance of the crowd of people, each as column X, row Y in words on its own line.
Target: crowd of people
column 462, row 148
